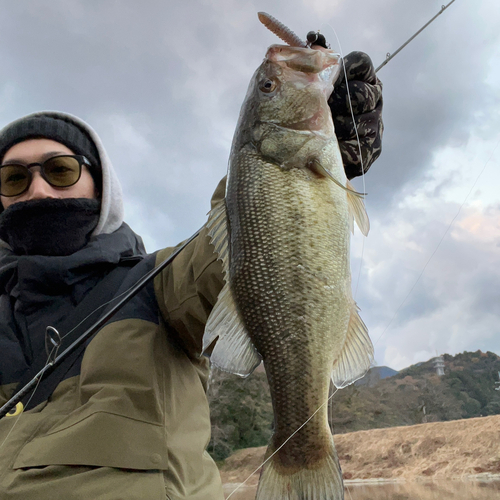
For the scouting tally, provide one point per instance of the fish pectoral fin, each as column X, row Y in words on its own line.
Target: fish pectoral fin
column 357, row 210
column 357, row 353
column 233, row 351
column 355, row 203
column 318, row 168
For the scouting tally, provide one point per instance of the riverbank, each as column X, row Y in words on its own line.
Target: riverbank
column 440, row 450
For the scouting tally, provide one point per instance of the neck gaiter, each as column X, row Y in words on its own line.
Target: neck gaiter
column 49, row 226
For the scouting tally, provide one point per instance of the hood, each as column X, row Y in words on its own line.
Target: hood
column 111, row 216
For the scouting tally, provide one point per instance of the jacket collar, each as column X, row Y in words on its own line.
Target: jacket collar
column 58, row 273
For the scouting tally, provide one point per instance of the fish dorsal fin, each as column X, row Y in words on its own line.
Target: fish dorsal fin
column 233, row 352
column 357, row 209
column 357, row 353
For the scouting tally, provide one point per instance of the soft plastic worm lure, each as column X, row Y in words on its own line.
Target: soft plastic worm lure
column 279, row 29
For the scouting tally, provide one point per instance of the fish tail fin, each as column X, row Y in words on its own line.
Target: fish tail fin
column 321, row 481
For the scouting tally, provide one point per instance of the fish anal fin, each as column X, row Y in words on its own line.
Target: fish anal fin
column 357, row 353
column 357, row 210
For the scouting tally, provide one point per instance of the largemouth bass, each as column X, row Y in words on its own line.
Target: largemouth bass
column 283, row 234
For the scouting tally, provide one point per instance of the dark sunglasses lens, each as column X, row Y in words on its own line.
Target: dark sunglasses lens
column 14, row 179
column 62, row 171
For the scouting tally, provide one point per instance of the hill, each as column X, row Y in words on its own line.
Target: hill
column 242, row 410
column 375, row 374
column 417, row 395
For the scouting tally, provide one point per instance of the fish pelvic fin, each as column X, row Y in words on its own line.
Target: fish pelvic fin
column 233, row 351
column 322, row 481
column 357, row 353
column 357, row 209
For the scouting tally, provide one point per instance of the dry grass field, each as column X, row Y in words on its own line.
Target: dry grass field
column 441, row 450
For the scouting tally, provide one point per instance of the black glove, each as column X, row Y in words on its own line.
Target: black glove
column 366, row 97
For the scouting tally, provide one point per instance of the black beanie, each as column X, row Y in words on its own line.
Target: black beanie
column 58, row 129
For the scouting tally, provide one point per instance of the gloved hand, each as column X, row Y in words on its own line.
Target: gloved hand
column 366, row 96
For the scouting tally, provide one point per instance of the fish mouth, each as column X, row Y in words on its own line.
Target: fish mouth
column 322, row 64
column 314, row 123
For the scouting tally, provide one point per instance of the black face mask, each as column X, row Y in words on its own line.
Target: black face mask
column 49, row 226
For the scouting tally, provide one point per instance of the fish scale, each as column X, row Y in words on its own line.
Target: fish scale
column 283, row 234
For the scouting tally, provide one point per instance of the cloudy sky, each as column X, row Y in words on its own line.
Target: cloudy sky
column 162, row 83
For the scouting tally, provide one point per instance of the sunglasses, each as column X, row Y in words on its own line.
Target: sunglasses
column 59, row 171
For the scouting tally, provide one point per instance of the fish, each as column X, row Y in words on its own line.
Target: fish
column 283, row 236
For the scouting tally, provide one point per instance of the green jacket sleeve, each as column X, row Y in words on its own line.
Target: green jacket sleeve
column 188, row 288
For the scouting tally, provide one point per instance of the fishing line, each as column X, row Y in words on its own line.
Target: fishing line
column 439, row 244
column 359, row 147
column 330, row 399
column 389, row 56
column 348, row 491
column 283, row 444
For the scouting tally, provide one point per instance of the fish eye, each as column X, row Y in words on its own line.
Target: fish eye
column 268, row 85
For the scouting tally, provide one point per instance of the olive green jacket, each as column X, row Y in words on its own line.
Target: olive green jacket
column 134, row 421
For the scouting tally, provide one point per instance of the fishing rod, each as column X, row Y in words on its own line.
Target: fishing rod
column 54, row 336
column 389, row 56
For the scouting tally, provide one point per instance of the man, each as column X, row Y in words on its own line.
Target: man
column 127, row 415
